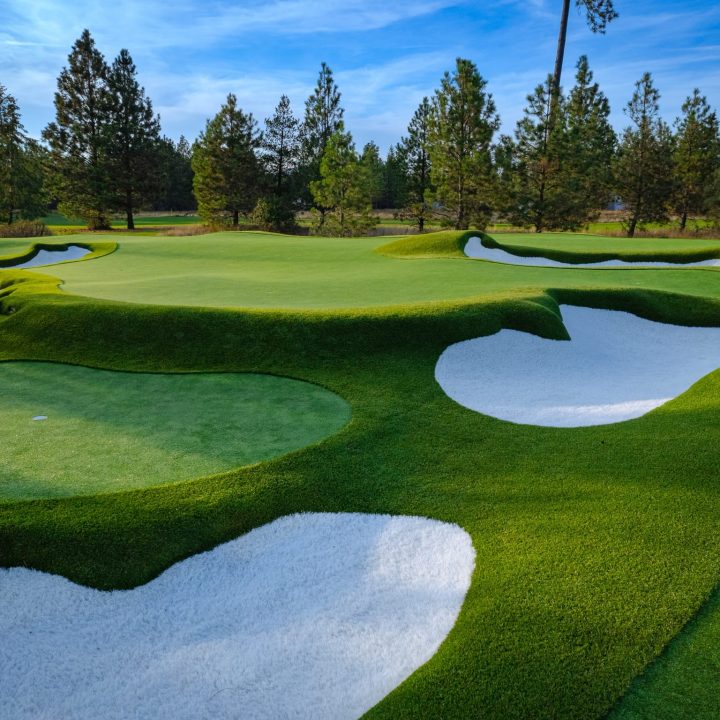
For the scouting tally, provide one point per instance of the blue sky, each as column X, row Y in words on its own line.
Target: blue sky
column 386, row 54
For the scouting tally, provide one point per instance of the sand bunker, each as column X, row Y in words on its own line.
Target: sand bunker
column 50, row 257
column 616, row 367
column 311, row 616
column 475, row 249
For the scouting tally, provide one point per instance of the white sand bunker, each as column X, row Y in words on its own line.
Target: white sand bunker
column 51, row 256
column 311, row 616
column 616, row 367
column 475, row 249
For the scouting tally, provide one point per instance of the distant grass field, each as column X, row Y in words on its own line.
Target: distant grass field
column 595, row 546
column 57, row 219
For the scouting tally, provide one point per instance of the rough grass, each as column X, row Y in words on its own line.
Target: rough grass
column 595, row 546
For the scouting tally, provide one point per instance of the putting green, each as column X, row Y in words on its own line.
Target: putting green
column 108, row 431
column 267, row 270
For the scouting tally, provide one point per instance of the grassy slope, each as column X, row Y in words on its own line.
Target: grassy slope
column 595, row 545
column 587, row 248
column 113, row 431
column 265, row 270
column 683, row 683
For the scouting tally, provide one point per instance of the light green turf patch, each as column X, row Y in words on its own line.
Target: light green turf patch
column 684, row 683
column 108, row 431
column 266, row 270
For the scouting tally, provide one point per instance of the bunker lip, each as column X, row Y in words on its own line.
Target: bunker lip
column 47, row 255
column 615, row 367
column 313, row 615
column 475, row 249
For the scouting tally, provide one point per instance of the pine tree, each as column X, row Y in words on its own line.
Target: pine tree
column 460, row 131
column 281, row 146
column 133, row 136
column 586, row 168
column 395, row 172
column 281, row 155
column 77, row 138
column 696, row 158
column 323, row 118
column 323, row 115
column 175, row 169
column 21, row 166
column 227, row 170
column 531, row 182
column 643, row 168
column 598, row 14
column 375, row 169
column 415, row 152
column 343, row 190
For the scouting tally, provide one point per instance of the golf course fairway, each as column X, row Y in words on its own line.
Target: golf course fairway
column 597, row 549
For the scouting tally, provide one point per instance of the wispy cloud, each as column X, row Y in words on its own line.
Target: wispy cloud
column 386, row 55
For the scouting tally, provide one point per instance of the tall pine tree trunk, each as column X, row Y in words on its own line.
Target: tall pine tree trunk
column 560, row 55
column 236, row 218
column 129, row 210
column 632, row 226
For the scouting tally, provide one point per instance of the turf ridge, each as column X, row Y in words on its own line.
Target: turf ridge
column 13, row 257
column 594, row 545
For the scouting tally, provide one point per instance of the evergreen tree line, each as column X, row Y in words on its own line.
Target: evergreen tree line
column 104, row 154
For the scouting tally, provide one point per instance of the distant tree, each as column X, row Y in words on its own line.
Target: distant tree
column 532, row 186
column 375, row 169
column 175, row 165
column 281, row 155
column 589, row 148
column 712, row 199
column 323, row 118
column 323, row 114
column 643, row 168
column 343, row 190
column 77, row 138
column 460, row 131
column 281, row 146
column 394, row 185
column 21, row 166
column 227, row 171
column 598, row 14
column 696, row 158
column 415, row 153
column 133, row 137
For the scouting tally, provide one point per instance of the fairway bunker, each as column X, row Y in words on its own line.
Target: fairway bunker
column 312, row 616
column 51, row 256
column 475, row 249
column 615, row 367
column 134, row 430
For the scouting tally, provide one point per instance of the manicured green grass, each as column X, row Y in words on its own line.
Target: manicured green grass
column 595, row 546
column 109, row 431
column 586, row 247
column 683, row 683
column 266, row 270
